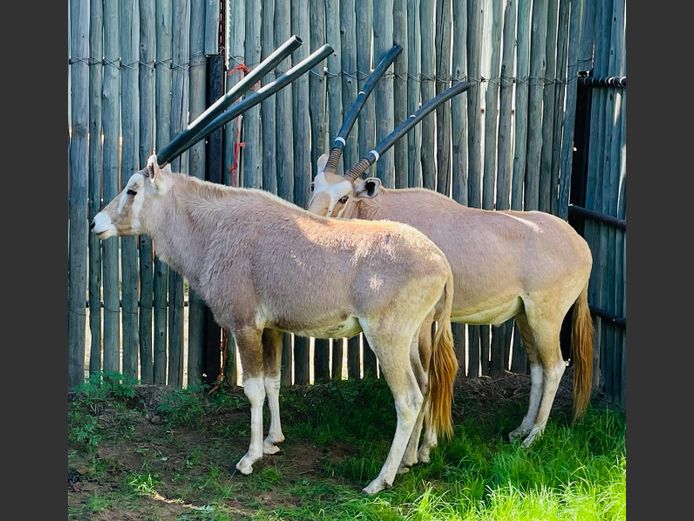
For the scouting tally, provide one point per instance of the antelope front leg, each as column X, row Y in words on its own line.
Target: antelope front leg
column 272, row 357
column 249, row 345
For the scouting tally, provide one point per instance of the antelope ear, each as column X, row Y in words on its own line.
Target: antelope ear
column 152, row 167
column 369, row 187
column 322, row 160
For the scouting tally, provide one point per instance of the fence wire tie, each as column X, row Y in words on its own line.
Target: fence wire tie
column 324, row 72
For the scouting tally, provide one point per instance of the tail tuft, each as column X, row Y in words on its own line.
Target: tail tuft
column 442, row 370
column 582, row 354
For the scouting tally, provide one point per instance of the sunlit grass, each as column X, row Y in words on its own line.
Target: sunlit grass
column 575, row 472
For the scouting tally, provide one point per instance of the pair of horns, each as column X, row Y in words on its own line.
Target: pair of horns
column 222, row 110
column 382, row 147
column 339, row 143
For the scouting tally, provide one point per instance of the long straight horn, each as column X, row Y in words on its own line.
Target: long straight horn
column 402, row 129
column 253, row 99
column 183, row 138
column 359, row 101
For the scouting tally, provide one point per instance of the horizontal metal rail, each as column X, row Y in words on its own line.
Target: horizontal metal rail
column 615, row 82
column 606, row 315
column 597, row 216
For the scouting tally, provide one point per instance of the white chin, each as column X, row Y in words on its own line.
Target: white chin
column 105, row 234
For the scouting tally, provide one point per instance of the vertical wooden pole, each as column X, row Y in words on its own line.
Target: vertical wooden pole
column 520, row 148
column 535, row 94
column 501, row 336
column 428, row 74
column 213, row 172
column 334, row 101
column 459, row 164
column 560, row 114
column 212, row 13
column 319, row 143
column 547, row 190
column 130, row 122
column 252, row 151
column 491, row 111
column 268, row 106
column 414, row 58
column 285, row 152
column 79, row 190
column 147, row 101
column 519, row 357
column 96, row 51
column 592, row 230
column 459, row 127
column 383, row 92
column 355, row 67
column 491, row 100
column 111, row 124
column 366, row 122
column 163, row 133
column 196, row 165
column 302, row 159
column 350, row 31
column 179, row 119
column 334, row 67
column 232, row 130
column 570, row 112
column 400, row 149
column 442, row 48
column 474, row 39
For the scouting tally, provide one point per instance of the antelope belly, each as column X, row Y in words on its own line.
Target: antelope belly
column 344, row 329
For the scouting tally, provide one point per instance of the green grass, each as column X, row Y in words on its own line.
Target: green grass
column 575, row 472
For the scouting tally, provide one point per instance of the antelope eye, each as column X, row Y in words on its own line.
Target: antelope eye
column 343, row 199
column 132, row 192
column 312, row 186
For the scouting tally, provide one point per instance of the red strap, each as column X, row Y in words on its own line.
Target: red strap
column 242, row 67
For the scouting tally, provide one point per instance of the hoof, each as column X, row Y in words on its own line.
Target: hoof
column 245, row 466
column 518, row 433
column 275, row 438
column 423, row 455
column 376, row 486
column 404, row 469
column 535, row 433
column 269, row 448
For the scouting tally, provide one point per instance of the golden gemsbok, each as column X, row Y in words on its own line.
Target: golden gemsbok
column 527, row 265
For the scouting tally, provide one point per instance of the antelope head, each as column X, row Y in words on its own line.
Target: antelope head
column 125, row 213
column 335, row 195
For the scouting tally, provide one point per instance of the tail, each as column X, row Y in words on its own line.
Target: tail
column 582, row 354
column 443, row 369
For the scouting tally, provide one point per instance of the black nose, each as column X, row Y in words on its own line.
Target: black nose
column 91, row 226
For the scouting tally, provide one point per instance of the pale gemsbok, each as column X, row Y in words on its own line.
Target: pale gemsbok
column 265, row 266
column 527, row 265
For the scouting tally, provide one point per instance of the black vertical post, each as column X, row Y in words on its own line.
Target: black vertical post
column 213, row 172
column 579, row 168
column 579, row 183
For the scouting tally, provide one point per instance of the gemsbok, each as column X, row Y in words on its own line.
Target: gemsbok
column 527, row 265
column 265, row 266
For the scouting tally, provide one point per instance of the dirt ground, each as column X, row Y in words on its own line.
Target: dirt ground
column 189, row 461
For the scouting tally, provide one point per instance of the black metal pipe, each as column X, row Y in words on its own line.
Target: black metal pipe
column 606, row 315
column 253, row 99
column 183, row 138
column 404, row 127
column 597, row 216
column 363, row 95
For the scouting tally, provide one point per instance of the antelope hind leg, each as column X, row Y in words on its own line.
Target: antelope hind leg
column 393, row 355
